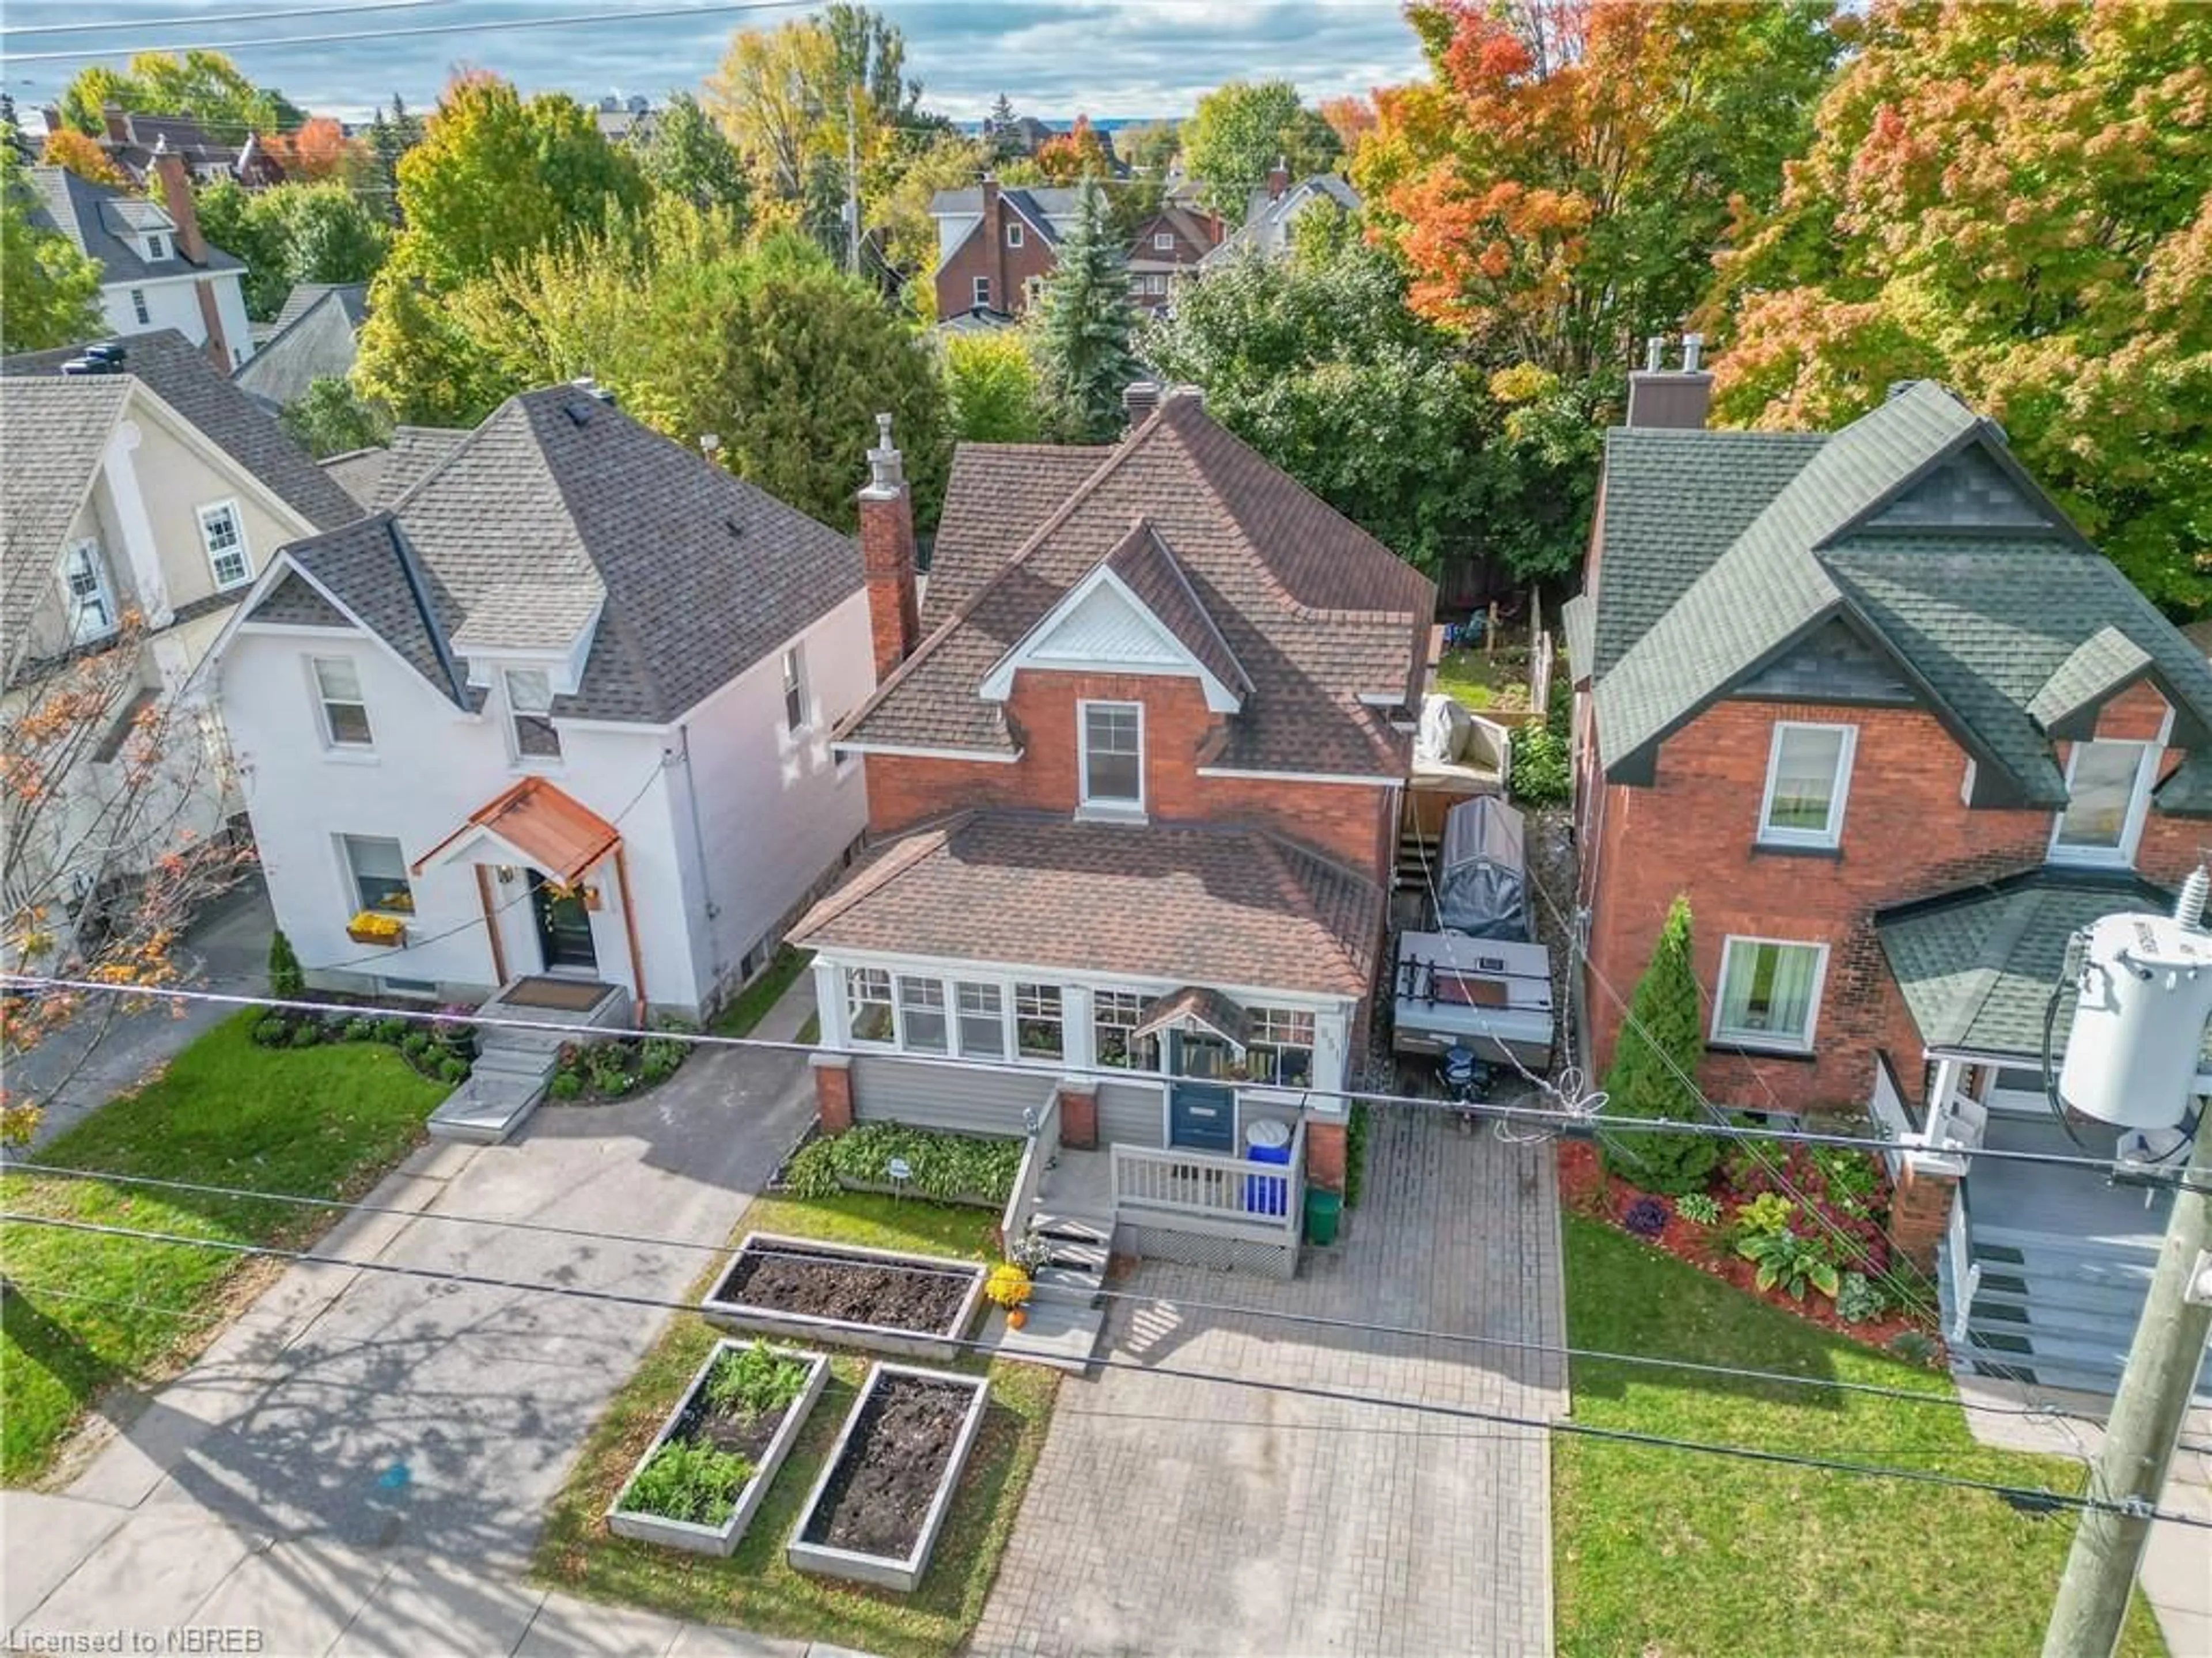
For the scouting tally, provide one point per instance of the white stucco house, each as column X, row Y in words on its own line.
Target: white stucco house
column 559, row 710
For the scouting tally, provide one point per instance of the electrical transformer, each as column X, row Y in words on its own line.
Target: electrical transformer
column 2143, row 997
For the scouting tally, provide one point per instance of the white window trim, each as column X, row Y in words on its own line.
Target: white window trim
column 979, row 292
column 201, row 513
column 97, row 563
column 2123, row 855
column 157, row 246
column 1840, row 787
column 791, row 676
column 139, row 308
column 515, row 715
column 331, row 741
column 1723, row 1037
column 354, row 905
column 1132, row 810
column 1013, row 233
column 867, row 1044
column 1163, row 240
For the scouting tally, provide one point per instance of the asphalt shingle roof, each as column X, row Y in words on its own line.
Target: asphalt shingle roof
column 1225, row 907
column 1718, row 549
column 1316, row 611
column 317, row 341
column 55, row 432
column 1977, row 969
column 559, row 508
column 178, row 372
column 98, row 217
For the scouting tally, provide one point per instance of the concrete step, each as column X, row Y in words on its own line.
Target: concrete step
column 1067, row 1283
column 514, row 1062
column 1063, row 1335
column 486, row 1108
column 520, row 1042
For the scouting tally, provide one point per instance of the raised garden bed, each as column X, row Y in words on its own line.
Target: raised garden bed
column 874, row 1514
column 713, row 1419
column 915, row 1306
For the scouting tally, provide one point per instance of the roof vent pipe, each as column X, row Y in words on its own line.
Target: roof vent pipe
column 1693, row 347
column 1654, row 349
column 2189, row 908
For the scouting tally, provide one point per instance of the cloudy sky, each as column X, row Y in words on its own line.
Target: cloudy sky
column 1111, row 57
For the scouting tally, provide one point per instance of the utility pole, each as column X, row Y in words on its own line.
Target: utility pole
column 852, row 184
column 2163, row 1364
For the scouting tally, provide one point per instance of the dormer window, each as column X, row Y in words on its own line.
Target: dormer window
column 530, row 714
column 91, row 600
column 157, row 246
column 2107, row 793
column 1113, row 757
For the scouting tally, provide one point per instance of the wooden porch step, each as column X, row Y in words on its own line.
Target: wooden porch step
column 1077, row 1229
column 1078, row 1256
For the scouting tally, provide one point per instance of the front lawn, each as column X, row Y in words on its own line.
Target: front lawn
column 1495, row 684
column 1673, row 1554
column 754, row 1587
column 88, row 1311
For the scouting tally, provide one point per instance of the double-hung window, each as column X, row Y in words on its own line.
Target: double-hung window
column 1114, row 1017
column 1013, row 234
column 1039, row 1027
column 1282, row 1047
column 91, row 601
column 2107, row 791
column 1113, row 742
column 921, row 1015
column 982, row 292
column 530, row 713
column 1808, row 773
column 1164, row 241
column 138, row 307
column 1769, row 993
column 346, row 712
column 157, row 246
column 223, row 534
column 868, row 1005
column 982, row 1015
column 379, row 871
column 794, row 690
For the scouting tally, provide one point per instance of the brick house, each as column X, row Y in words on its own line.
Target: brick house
column 1169, row 245
column 1897, row 730
column 1133, row 774
column 997, row 243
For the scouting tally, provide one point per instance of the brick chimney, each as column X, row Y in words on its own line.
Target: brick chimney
column 1681, row 397
column 887, row 555
column 1278, row 179
column 1139, row 398
column 118, row 124
column 177, row 197
column 994, row 248
column 216, row 346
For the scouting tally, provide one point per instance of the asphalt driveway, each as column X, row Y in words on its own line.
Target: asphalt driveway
column 1175, row 1516
column 358, row 1430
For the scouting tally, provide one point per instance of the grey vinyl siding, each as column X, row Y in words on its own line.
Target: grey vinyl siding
column 940, row 1097
column 1132, row 1112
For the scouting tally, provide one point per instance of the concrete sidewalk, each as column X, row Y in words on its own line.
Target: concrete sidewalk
column 2176, row 1576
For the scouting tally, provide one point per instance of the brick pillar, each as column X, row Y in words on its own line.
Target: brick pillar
column 832, row 1090
column 887, row 556
column 1920, row 1211
column 1079, row 1115
column 1325, row 1154
column 217, row 347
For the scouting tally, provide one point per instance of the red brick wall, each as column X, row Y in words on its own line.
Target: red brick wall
column 985, row 253
column 887, row 556
column 1907, row 834
column 1353, row 823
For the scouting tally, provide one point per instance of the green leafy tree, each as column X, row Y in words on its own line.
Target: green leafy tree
column 1240, row 131
column 291, row 233
column 418, row 360
column 206, row 85
column 991, row 389
column 1655, row 1065
column 332, row 419
column 49, row 291
column 1084, row 341
column 2019, row 203
column 949, row 162
column 230, row 221
column 689, row 157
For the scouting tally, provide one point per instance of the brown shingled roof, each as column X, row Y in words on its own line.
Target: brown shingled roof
column 1227, row 907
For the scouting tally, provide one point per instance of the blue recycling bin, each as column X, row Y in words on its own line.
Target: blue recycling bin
column 1266, row 1195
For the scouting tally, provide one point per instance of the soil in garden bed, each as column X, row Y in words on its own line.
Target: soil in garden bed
column 745, row 1432
column 829, row 1285
column 880, row 1495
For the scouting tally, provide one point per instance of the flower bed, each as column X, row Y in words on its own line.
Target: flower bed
column 444, row 1052
column 875, row 1513
column 593, row 1072
column 916, row 1306
column 950, row 1167
column 707, row 1472
column 1715, row 1246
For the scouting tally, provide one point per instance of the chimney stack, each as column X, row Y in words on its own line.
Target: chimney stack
column 1278, row 179
column 115, row 122
column 177, row 197
column 994, row 248
column 1139, row 398
column 1677, row 399
column 887, row 555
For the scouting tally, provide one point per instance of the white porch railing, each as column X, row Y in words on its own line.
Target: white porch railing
column 1890, row 1114
column 1198, row 1191
column 1044, row 1147
column 1966, row 1272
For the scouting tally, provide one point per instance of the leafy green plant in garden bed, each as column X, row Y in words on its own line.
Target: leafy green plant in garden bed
column 444, row 1052
column 620, row 1065
column 756, row 1381
column 951, row 1167
column 690, row 1480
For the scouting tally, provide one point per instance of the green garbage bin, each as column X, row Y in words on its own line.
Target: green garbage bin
column 1324, row 1210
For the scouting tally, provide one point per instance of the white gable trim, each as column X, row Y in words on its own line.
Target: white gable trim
column 910, row 752
column 1303, row 777
column 222, row 461
column 1175, row 661
column 242, row 618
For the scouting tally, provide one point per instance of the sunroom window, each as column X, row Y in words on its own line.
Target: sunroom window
column 868, row 1005
column 1282, row 1048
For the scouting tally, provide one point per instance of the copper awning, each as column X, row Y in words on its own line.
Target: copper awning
column 1194, row 1004
column 535, row 824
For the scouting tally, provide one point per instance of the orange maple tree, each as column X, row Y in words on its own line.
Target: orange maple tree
column 316, row 150
column 1071, row 156
column 67, row 148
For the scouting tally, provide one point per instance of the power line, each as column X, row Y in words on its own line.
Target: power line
column 2026, row 1496
column 1569, row 1124
column 713, row 9
column 1224, row 1308
column 219, row 17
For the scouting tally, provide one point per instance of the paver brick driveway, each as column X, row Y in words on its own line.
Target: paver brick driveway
column 1170, row 1514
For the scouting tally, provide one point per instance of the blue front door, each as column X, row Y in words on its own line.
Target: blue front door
column 1201, row 1115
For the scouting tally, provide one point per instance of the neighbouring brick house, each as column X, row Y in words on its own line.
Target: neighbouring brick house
column 1896, row 729
column 996, row 245
column 1133, row 774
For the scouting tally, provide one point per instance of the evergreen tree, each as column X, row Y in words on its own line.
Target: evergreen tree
column 1084, row 345
column 1654, row 1068
column 287, row 983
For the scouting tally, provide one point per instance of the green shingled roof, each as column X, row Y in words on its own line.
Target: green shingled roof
column 1914, row 522
column 1976, row 970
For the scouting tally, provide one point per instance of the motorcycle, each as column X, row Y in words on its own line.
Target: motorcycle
column 1467, row 1083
